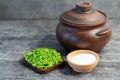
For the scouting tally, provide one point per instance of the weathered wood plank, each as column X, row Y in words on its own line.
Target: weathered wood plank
column 14, row 70
column 16, row 37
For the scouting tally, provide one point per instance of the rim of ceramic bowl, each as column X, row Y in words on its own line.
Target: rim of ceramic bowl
column 75, row 52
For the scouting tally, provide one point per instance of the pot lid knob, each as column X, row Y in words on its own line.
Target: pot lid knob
column 83, row 6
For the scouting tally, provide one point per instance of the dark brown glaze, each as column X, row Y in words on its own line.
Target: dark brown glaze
column 83, row 28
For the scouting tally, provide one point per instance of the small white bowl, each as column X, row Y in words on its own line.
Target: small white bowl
column 82, row 67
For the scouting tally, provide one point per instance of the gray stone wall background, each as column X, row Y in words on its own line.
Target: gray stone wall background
column 51, row 9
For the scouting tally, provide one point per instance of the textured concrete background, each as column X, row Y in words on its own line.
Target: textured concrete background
column 50, row 9
column 27, row 24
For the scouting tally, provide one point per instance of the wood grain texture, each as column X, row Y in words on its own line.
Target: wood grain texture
column 19, row 36
column 16, row 37
column 14, row 70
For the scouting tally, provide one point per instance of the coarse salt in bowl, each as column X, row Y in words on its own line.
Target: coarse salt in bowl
column 82, row 60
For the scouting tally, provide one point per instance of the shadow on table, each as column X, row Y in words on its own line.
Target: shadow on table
column 67, row 70
column 49, row 41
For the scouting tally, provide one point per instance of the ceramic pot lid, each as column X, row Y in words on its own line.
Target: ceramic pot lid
column 83, row 15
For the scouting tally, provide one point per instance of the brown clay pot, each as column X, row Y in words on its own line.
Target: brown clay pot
column 83, row 28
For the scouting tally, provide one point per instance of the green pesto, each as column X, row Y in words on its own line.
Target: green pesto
column 43, row 58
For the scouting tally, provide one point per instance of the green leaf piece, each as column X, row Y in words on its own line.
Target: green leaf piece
column 43, row 58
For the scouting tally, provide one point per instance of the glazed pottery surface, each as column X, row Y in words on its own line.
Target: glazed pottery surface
column 83, row 28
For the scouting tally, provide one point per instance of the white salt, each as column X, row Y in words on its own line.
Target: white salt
column 83, row 59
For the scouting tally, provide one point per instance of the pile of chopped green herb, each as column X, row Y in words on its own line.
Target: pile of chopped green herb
column 43, row 58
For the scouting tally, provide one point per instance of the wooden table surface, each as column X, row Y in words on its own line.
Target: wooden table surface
column 18, row 36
